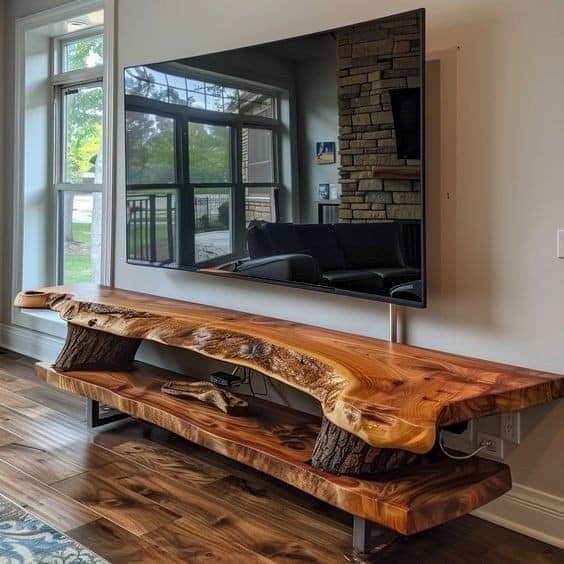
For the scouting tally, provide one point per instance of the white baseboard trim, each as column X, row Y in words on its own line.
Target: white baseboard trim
column 528, row 511
column 525, row 510
column 30, row 343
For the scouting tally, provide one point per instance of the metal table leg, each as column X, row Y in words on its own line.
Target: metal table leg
column 97, row 415
column 369, row 537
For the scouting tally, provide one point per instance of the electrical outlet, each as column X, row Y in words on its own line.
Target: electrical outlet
column 511, row 427
column 494, row 446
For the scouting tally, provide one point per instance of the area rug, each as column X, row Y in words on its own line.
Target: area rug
column 24, row 539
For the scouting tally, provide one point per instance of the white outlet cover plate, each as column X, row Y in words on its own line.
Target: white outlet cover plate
column 560, row 243
column 496, row 451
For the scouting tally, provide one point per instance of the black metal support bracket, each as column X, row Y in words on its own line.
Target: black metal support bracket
column 368, row 537
column 99, row 415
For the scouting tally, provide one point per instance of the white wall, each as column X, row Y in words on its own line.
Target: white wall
column 319, row 121
column 495, row 286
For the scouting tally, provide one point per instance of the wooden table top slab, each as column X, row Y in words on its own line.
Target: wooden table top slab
column 279, row 441
column 389, row 395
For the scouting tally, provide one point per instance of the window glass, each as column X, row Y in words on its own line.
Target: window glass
column 146, row 82
column 260, row 204
column 209, row 153
column 212, row 215
column 204, row 95
column 151, row 155
column 81, row 232
column 252, row 103
column 196, row 99
column 257, row 155
column 82, row 131
column 175, row 81
column 152, row 226
column 83, row 53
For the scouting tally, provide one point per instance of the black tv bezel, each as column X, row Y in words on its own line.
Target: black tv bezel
column 422, row 304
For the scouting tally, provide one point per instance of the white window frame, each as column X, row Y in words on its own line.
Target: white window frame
column 61, row 83
column 46, row 322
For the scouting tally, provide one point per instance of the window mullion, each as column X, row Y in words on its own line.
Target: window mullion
column 86, row 187
column 78, row 77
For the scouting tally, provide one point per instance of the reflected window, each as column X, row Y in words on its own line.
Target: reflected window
column 257, row 155
column 152, row 226
column 151, row 157
column 260, row 204
column 212, row 214
column 213, row 141
column 206, row 95
column 209, row 152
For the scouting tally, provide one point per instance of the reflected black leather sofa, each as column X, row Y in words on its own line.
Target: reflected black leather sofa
column 370, row 257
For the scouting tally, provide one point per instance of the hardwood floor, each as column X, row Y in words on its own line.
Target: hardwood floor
column 134, row 498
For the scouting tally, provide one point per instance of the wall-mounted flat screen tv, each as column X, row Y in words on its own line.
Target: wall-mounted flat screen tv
column 297, row 162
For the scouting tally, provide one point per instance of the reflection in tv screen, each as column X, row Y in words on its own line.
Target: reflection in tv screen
column 295, row 162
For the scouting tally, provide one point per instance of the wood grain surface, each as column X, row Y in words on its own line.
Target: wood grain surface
column 279, row 441
column 389, row 395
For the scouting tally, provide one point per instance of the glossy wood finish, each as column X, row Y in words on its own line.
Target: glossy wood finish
column 389, row 395
column 291, row 526
column 279, row 441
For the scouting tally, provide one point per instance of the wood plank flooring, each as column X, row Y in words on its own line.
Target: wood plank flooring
column 131, row 497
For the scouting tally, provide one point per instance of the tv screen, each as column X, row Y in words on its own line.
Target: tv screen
column 406, row 109
column 295, row 162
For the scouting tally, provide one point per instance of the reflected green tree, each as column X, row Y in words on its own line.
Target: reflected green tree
column 209, row 153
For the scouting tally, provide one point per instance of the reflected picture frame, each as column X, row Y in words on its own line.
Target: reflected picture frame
column 326, row 152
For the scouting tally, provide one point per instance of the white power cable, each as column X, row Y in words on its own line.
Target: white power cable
column 455, row 456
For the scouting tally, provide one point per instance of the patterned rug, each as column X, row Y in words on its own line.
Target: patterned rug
column 24, row 539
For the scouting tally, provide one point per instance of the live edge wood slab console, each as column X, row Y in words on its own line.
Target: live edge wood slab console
column 373, row 451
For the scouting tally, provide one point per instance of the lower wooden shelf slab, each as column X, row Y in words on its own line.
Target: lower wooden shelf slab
column 279, row 441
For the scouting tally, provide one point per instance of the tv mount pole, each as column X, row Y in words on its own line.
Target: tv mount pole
column 393, row 323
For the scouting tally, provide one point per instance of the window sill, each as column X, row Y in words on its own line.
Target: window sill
column 45, row 314
column 42, row 321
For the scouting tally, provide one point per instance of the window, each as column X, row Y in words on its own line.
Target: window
column 212, row 143
column 81, row 134
column 82, row 53
column 210, row 163
column 213, row 232
column 151, row 150
column 209, row 151
column 77, row 174
column 152, row 225
column 258, row 160
column 258, row 155
column 199, row 94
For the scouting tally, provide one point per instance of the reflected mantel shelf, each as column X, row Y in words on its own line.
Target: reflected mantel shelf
column 397, row 172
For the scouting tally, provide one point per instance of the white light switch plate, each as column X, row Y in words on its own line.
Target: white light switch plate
column 511, row 427
column 560, row 243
